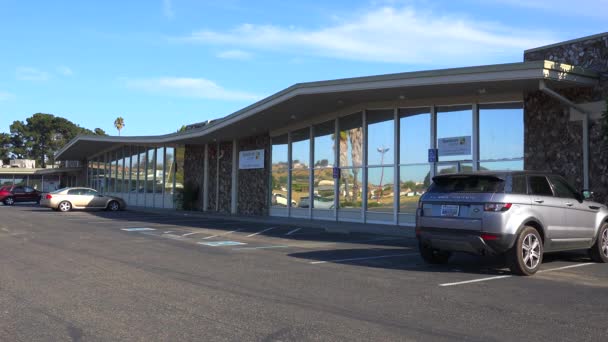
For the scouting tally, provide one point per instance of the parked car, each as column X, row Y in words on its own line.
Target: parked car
column 318, row 202
column 521, row 215
column 280, row 199
column 67, row 199
column 12, row 194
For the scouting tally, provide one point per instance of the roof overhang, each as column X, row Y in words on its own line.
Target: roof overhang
column 17, row 171
column 303, row 101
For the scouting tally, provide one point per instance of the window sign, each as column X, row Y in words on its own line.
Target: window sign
column 253, row 159
column 454, row 146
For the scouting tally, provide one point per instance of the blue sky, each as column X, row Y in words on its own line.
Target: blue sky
column 161, row 64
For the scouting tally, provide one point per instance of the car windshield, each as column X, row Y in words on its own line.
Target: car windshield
column 466, row 183
column 58, row 191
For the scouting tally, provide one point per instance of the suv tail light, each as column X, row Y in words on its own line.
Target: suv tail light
column 496, row 207
column 48, row 196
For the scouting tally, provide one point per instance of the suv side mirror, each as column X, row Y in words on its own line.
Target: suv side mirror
column 587, row 194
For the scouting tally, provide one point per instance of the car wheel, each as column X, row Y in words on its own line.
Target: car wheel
column 433, row 256
column 65, row 206
column 526, row 256
column 599, row 251
column 9, row 201
column 113, row 206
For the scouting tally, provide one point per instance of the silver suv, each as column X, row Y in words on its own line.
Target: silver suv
column 519, row 214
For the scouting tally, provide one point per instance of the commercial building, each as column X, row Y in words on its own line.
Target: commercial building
column 364, row 149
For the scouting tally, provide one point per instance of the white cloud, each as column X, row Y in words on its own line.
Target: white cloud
column 168, row 9
column 584, row 8
column 31, row 74
column 235, row 54
column 188, row 87
column 387, row 34
column 65, row 71
column 5, row 96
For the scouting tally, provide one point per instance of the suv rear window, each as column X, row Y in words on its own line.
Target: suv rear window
column 456, row 183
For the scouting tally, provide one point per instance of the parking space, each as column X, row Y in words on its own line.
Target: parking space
column 318, row 248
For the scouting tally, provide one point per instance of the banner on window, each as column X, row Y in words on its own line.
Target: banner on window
column 253, row 159
column 454, row 146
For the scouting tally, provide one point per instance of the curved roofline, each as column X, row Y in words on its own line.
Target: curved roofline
column 502, row 72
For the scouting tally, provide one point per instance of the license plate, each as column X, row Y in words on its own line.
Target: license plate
column 449, row 210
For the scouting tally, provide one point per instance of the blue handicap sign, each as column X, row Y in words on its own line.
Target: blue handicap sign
column 433, row 155
column 336, row 172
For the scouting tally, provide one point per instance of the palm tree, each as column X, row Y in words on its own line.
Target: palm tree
column 356, row 142
column 119, row 123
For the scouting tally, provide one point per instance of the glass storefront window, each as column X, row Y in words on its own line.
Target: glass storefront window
column 300, row 149
column 300, row 188
column 324, row 144
column 180, row 152
column 279, row 171
column 351, row 140
column 414, row 135
column 455, row 126
column 170, row 174
column 150, row 170
column 159, row 173
column 413, row 182
column 323, row 192
column 496, row 142
column 380, row 137
column 351, row 188
column 381, row 189
column 35, row 182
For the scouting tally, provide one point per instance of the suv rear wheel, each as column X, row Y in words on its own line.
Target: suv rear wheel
column 433, row 256
column 599, row 251
column 9, row 201
column 526, row 256
column 113, row 206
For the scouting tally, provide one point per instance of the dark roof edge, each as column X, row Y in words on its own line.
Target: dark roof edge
column 571, row 41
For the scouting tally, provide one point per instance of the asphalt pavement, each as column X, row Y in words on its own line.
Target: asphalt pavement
column 141, row 276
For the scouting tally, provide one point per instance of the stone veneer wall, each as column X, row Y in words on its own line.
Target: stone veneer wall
column 552, row 141
column 194, row 160
column 253, row 184
column 225, row 181
column 212, row 150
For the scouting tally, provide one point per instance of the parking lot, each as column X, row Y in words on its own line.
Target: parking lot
column 157, row 276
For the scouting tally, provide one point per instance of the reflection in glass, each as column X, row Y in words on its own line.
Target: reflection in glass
column 170, row 165
column 159, row 172
column 300, row 148
column 300, row 188
column 323, row 191
column 19, row 180
column 381, row 137
column 413, row 182
column 351, row 140
column 453, row 122
column 35, row 182
column 350, row 188
column 279, row 171
column 381, row 189
column 502, row 165
column 496, row 142
column 324, row 144
column 414, row 135
column 180, row 151
column 150, row 168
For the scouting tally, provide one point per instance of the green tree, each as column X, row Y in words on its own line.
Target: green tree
column 5, row 146
column 99, row 131
column 41, row 135
column 119, row 123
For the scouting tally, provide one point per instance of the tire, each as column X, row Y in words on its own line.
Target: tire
column 433, row 256
column 9, row 201
column 526, row 255
column 64, row 206
column 599, row 251
column 113, row 206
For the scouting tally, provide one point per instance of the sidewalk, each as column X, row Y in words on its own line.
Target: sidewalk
column 329, row 226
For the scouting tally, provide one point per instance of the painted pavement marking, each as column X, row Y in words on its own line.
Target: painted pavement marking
column 221, row 243
column 261, row 231
column 230, row 232
column 262, row 247
column 137, row 229
column 362, row 258
column 293, row 231
column 510, row 275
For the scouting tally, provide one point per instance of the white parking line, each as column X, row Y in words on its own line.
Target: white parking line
column 363, row 258
column 293, row 231
column 262, row 231
column 188, row 234
column 212, row 236
column 263, row 247
column 509, row 276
